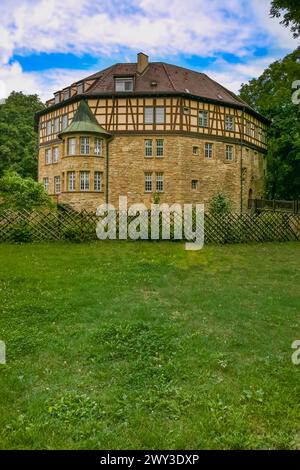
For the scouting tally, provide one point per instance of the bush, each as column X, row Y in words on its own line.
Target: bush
column 21, row 233
column 220, row 204
column 72, row 233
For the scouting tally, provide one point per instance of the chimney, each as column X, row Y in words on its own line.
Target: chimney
column 142, row 62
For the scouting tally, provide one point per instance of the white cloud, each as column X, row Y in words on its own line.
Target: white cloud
column 109, row 27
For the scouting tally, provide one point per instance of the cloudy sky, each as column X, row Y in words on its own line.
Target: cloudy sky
column 47, row 44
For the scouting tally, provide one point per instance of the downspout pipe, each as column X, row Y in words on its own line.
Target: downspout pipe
column 241, row 159
column 108, row 141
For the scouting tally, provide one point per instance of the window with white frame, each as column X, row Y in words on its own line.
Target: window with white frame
column 79, row 88
column 46, row 184
column 124, row 84
column 148, row 182
column 98, row 147
column 55, row 154
column 203, row 118
column 149, row 115
column 159, row 115
column 71, row 180
column 208, row 150
column 229, row 123
column 97, row 181
column 195, row 150
column 159, row 147
column 66, row 94
column 49, row 127
column 64, row 121
column 229, row 152
column 84, row 180
column 56, row 125
column 148, row 148
column 159, row 182
column 72, row 146
column 84, row 145
column 57, row 185
column 48, row 158
column 195, row 184
column 248, row 128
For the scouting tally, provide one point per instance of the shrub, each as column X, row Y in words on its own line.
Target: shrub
column 21, row 232
column 220, row 204
column 72, row 233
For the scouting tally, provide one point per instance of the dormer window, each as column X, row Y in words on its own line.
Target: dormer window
column 124, row 84
column 56, row 98
column 66, row 94
column 79, row 88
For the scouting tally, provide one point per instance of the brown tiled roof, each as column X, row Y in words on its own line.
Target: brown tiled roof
column 170, row 79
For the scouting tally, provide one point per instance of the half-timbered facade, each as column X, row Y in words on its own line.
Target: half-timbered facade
column 150, row 127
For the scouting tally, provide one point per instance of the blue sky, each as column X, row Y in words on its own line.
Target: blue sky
column 47, row 44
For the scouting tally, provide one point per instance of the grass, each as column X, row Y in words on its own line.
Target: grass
column 142, row 345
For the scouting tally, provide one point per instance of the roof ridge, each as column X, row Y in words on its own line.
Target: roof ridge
column 168, row 75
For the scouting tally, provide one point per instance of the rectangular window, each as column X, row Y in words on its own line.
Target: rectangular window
column 97, row 181
column 160, row 148
column 56, row 98
column 84, row 181
column 84, row 145
column 71, row 180
column 64, row 121
column 79, row 88
column 148, row 148
column 49, row 127
column 72, row 146
column 248, row 128
column 159, row 182
column 123, row 84
column 203, row 118
column 48, row 158
column 55, row 154
column 148, row 182
column 57, row 184
column 56, row 125
column 208, row 150
column 149, row 115
column 98, row 147
column 194, row 184
column 159, row 115
column 195, row 150
column 66, row 94
column 46, row 184
column 229, row 152
column 229, row 123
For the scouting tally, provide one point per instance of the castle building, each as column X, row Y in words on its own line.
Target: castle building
column 150, row 131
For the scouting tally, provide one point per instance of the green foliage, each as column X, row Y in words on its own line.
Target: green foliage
column 18, row 138
column 271, row 95
column 18, row 193
column 72, row 233
column 289, row 10
column 21, row 232
column 220, row 204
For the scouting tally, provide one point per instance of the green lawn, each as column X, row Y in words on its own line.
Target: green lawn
column 144, row 345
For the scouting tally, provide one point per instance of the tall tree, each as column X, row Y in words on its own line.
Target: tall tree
column 18, row 139
column 271, row 95
column 289, row 11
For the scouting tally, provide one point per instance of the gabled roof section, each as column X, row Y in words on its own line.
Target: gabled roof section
column 84, row 122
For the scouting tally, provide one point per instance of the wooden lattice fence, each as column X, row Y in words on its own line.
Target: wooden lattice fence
column 81, row 226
